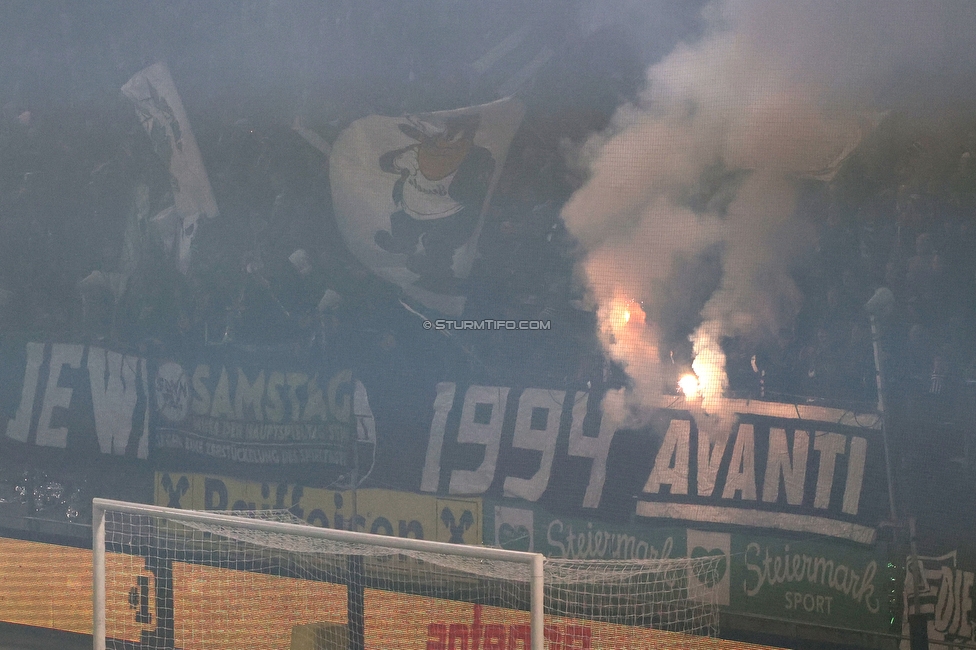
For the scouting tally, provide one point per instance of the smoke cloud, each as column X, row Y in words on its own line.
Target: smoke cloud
column 707, row 165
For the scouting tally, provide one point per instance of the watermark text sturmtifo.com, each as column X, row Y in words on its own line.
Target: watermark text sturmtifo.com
column 487, row 324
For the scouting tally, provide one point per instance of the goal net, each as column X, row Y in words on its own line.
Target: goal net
column 169, row 578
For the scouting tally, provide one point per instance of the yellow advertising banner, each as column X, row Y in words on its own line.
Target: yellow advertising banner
column 433, row 624
column 231, row 609
column 372, row 510
column 50, row 586
column 227, row 608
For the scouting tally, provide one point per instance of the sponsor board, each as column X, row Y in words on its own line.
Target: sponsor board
column 528, row 529
column 432, row 624
column 227, row 608
column 378, row 511
column 710, row 580
column 219, row 607
column 832, row 584
column 819, row 581
column 50, row 586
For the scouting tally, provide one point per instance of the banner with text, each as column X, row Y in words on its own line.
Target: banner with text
column 819, row 581
column 941, row 586
column 234, row 408
column 376, row 511
column 73, row 396
column 799, row 468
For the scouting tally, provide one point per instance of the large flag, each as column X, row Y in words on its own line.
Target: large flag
column 160, row 109
column 841, row 145
column 410, row 194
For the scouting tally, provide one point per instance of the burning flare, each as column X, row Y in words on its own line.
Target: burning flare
column 621, row 313
column 709, row 364
column 689, row 385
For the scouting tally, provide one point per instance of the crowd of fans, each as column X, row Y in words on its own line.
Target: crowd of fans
column 79, row 257
column 900, row 214
column 913, row 233
column 80, row 183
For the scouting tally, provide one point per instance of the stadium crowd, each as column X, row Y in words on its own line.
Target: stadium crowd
column 79, row 181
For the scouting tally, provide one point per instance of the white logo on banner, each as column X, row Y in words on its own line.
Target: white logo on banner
column 710, row 576
column 514, row 528
column 172, row 392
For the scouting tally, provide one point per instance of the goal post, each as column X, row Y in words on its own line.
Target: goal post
column 172, row 578
column 103, row 531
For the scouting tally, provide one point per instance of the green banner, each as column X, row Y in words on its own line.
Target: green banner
column 819, row 581
column 812, row 581
column 525, row 528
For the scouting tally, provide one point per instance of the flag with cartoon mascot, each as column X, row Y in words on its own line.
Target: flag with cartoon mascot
column 410, row 194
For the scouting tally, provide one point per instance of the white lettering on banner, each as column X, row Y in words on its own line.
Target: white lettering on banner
column 740, row 516
column 599, row 544
column 435, row 443
column 493, row 405
column 945, row 594
column 671, row 463
column 221, row 406
column 546, row 405
column 260, row 432
column 293, row 396
column 710, row 454
column 200, row 398
column 953, row 609
column 19, row 426
column 274, row 407
column 259, row 455
column 597, row 449
column 800, row 568
column 829, row 445
column 247, row 397
column 729, row 478
column 794, row 472
column 671, row 466
column 113, row 379
column 855, row 475
column 57, row 396
column 295, row 380
column 742, row 469
column 481, row 424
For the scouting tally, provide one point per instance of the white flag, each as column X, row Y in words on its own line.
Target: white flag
column 160, row 109
column 410, row 194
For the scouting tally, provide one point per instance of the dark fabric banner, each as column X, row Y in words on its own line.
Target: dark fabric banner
column 793, row 468
column 225, row 409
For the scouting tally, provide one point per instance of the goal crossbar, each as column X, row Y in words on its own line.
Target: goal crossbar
column 534, row 561
column 205, row 580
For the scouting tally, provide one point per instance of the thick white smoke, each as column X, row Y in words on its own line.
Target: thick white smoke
column 775, row 91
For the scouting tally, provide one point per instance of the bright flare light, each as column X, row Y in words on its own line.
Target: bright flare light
column 709, row 364
column 688, row 385
column 621, row 312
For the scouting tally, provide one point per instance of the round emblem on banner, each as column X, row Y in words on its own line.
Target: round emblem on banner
column 172, row 392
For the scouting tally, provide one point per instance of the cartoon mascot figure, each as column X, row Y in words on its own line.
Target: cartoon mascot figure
column 443, row 182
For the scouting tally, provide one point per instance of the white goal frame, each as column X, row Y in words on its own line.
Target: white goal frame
column 535, row 561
